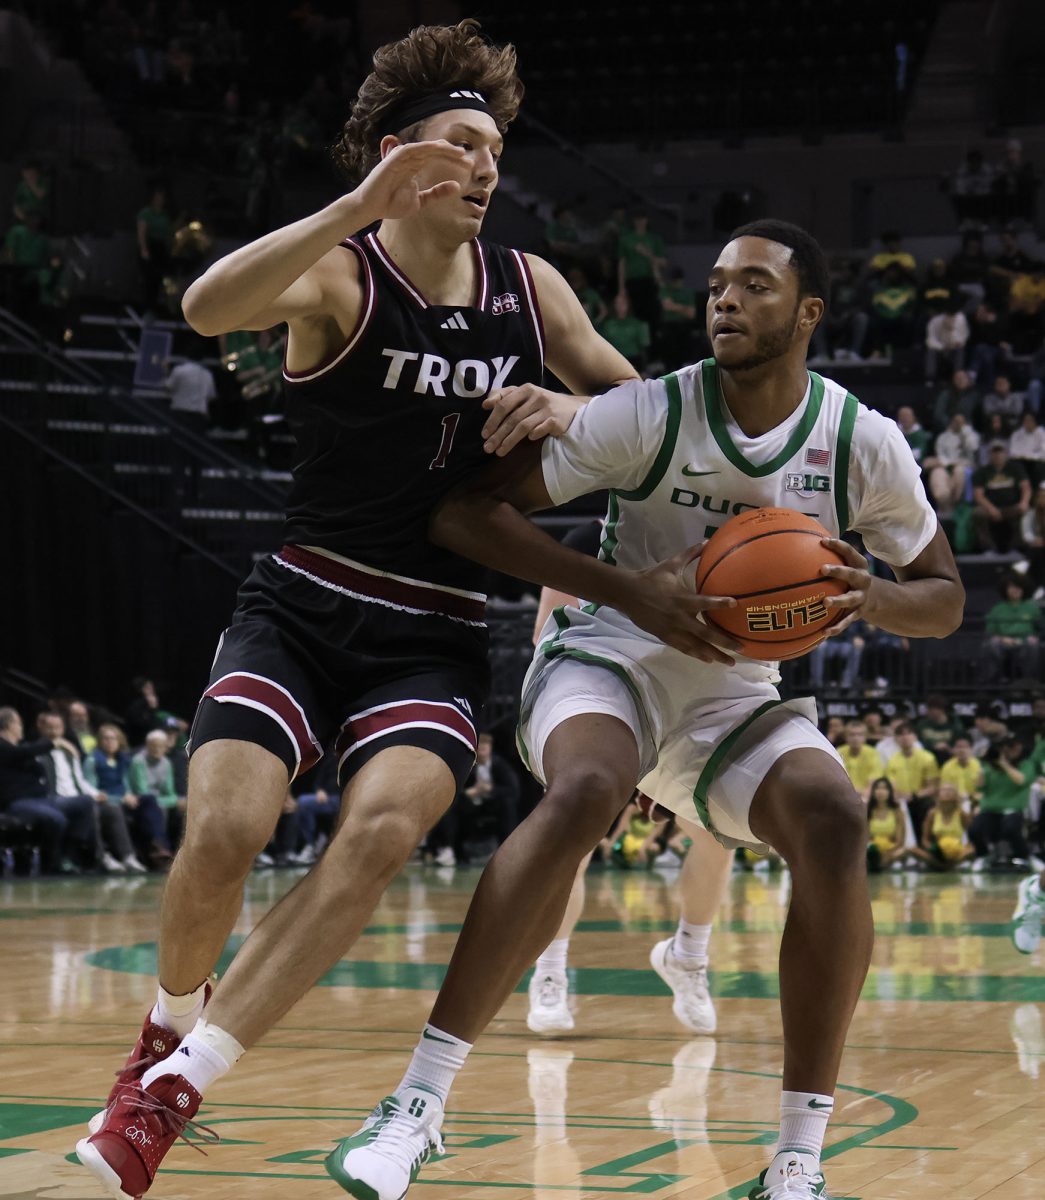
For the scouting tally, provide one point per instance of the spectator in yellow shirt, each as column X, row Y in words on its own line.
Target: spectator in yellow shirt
column 914, row 773
column 893, row 254
column 862, row 762
column 963, row 770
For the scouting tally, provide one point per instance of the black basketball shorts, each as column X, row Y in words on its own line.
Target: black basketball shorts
column 324, row 655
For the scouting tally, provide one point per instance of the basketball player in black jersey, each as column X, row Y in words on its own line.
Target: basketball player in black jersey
column 358, row 632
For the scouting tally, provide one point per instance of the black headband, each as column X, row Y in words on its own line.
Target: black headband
column 411, row 111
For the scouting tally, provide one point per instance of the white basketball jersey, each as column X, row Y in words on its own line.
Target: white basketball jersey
column 678, row 467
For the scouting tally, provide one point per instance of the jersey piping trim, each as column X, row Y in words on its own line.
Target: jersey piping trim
column 425, row 605
column 667, row 445
column 267, row 696
column 395, row 272
column 713, row 409
column 711, row 767
column 331, row 557
column 484, row 276
column 531, row 300
column 373, row 737
column 361, row 323
column 843, row 449
column 397, row 715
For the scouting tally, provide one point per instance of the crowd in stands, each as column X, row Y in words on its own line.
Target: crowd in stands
column 88, row 790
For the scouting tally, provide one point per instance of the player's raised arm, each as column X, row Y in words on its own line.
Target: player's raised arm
column 286, row 274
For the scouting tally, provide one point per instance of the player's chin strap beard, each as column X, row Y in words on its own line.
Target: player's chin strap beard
column 420, row 108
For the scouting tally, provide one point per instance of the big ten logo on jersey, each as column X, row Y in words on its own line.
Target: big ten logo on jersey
column 806, row 484
column 431, row 374
column 508, row 303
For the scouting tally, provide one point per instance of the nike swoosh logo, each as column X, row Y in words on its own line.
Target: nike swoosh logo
column 820, row 1104
column 432, row 1038
column 693, row 474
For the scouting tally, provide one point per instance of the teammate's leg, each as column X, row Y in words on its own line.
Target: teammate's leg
column 682, row 960
column 549, row 988
column 591, row 763
column 806, row 808
column 1029, row 916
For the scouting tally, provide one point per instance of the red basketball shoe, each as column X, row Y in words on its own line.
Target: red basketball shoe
column 138, row 1130
column 155, row 1043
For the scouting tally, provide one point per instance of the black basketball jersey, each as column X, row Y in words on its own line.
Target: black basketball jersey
column 390, row 423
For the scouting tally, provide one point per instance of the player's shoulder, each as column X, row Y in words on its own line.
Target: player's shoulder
column 871, row 429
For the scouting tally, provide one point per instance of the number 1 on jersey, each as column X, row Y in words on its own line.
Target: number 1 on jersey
column 449, row 429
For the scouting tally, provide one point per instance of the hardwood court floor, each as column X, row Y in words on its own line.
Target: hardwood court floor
column 942, row 1090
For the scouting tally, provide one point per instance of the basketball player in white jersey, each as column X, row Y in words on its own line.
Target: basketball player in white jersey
column 635, row 688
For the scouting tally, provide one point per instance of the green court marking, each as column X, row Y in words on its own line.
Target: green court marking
column 621, row 1167
column 21, row 1120
column 882, row 984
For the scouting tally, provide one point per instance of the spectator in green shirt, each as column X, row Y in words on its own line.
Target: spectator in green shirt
column 28, row 249
column 916, row 437
column 154, row 232
column 151, row 775
column 31, row 192
column 894, row 300
column 640, row 257
column 678, row 314
column 562, row 237
column 1001, row 494
column 1013, row 645
column 1007, row 777
column 938, row 730
column 627, row 333
column 592, row 303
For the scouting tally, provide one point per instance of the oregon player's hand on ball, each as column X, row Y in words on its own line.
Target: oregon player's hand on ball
column 526, row 412
column 667, row 604
column 411, row 176
column 858, row 599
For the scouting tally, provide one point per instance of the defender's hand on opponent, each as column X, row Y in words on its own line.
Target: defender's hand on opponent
column 525, row 413
column 858, row 600
column 664, row 601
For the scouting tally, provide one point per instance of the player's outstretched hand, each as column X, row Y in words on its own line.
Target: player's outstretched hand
column 392, row 189
column 859, row 579
column 528, row 413
column 665, row 602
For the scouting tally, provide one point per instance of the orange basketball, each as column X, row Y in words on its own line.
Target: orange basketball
column 769, row 561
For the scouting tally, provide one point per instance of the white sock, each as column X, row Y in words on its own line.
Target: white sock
column 553, row 960
column 204, row 1055
column 179, row 1013
column 691, row 942
column 803, row 1122
column 437, row 1059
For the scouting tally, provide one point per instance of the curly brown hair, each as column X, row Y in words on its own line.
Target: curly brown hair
column 429, row 59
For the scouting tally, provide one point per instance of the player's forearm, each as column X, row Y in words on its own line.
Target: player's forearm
column 243, row 283
column 491, row 531
column 916, row 608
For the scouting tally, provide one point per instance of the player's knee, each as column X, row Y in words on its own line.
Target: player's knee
column 222, row 841
column 382, row 844
column 583, row 801
column 817, row 819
